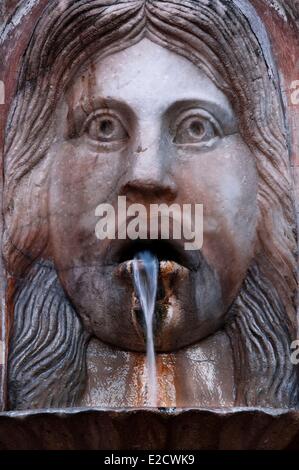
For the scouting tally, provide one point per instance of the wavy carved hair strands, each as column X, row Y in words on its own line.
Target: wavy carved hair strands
column 217, row 37
column 48, row 331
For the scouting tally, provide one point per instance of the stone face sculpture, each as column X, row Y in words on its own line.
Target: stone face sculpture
column 161, row 102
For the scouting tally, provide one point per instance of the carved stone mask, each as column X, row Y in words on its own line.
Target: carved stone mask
column 161, row 102
column 151, row 98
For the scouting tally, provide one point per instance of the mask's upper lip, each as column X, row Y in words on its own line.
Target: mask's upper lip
column 121, row 251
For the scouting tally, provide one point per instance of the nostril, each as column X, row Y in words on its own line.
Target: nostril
column 150, row 189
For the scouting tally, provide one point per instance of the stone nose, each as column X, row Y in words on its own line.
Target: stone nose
column 149, row 174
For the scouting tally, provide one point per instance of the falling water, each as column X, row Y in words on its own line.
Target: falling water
column 145, row 268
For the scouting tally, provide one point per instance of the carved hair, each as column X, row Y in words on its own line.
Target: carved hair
column 49, row 333
column 228, row 42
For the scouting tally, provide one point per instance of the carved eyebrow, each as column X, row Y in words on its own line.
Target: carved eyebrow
column 224, row 115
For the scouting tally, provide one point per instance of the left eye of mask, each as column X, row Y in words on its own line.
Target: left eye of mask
column 105, row 128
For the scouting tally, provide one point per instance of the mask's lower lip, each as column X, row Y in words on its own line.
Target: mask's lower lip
column 166, row 268
column 169, row 271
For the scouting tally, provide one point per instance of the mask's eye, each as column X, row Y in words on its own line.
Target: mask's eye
column 105, row 128
column 196, row 127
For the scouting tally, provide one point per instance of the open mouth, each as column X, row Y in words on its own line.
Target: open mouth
column 164, row 250
column 173, row 264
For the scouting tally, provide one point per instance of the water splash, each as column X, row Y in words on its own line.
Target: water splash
column 145, row 268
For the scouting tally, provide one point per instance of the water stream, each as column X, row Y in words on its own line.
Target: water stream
column 146, row 270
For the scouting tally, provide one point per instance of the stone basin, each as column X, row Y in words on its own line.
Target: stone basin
column 150, row 429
